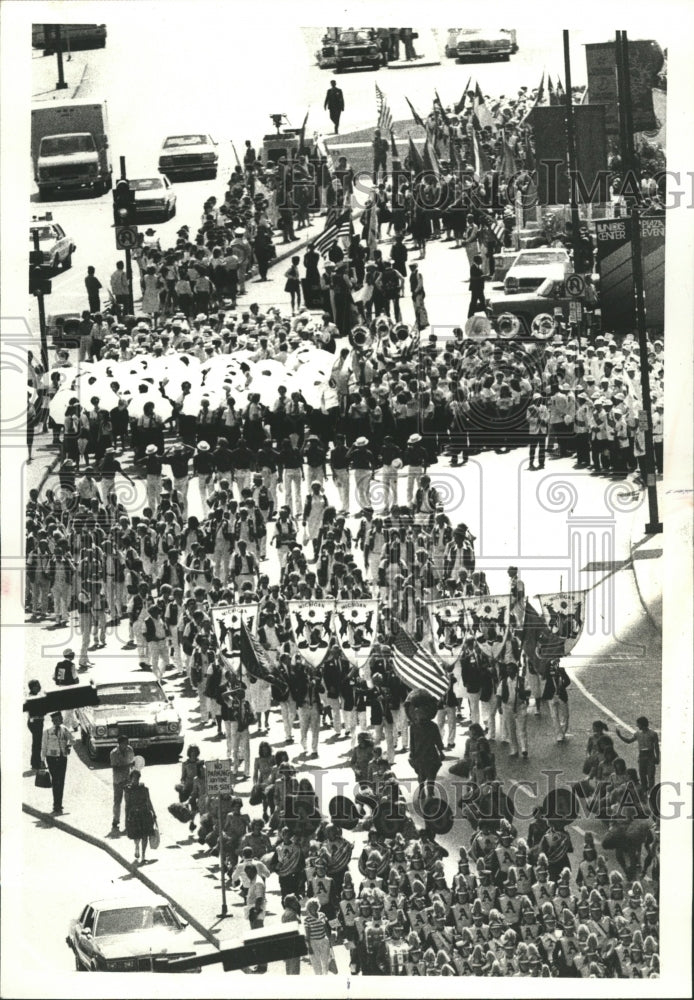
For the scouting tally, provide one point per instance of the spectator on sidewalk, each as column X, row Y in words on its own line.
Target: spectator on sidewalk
column 93, row 286
column 56, row 745
column 122, row 758
column 140, row 818
column 35, row 727
column 255, row 903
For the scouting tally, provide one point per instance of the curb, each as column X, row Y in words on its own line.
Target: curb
column 81, row 80
column 414, row 64
column 633, row 547
column 96, row 842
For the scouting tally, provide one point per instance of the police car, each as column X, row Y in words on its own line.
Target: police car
column 56, row 247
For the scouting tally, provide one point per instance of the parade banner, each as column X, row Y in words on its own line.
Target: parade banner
column 447, row 618
column 488, row 615
column 564, row 615
column 312, row 624
column 227, row 619
column 356, row 623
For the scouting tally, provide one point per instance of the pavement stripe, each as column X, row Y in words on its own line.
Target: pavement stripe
column 74, row 831
column 598, row 704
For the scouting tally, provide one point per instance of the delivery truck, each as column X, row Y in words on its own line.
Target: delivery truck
column 69, row 147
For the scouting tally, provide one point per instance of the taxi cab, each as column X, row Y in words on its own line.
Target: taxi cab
column 56, row 247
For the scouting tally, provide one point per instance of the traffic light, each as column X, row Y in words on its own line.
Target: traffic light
column 123, row 204
column 39, row 283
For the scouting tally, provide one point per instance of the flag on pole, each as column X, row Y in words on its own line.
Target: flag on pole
column 302, row 135
column 333, row 232
column 482, row 164
column 415, row 164
column 417, row 118
column 394, row 154
column 481, row 111
column 236, row 155
column 253, row 656
column 416, row 668
column 539, row 99
column 551, row 99
column 385, row 118
column 438, row 105
column 461, row 103
column 559, row 92
column 507, row 166
column 430, row 160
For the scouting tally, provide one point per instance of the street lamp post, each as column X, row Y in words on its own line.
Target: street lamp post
column 61, row 84
column 654, row 525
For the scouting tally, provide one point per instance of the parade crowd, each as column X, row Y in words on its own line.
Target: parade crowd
column 336, row 474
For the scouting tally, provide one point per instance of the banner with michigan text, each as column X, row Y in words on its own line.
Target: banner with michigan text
column 312, row 625
column 227, row 619
column 356, row 625
column 564, row 615
column 488, row 617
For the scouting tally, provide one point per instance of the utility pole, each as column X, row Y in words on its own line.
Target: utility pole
column 42, row 311
column 655, row 525
column 571, row 143
column 61, row 84
column 128, row 259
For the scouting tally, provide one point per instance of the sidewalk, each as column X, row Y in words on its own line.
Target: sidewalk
column 44, row 76
column 648, row 564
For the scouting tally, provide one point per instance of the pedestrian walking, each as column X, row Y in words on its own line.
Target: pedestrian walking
column 35, row 726
column 317, row 931
column 93, row 286
column 293, row 284
column 476, row 283
column 291, row 914
column 334, row 104
column 649, row 751
column 556, row 683
column 122, row 758
column 56, row 745
column 255, row 904
column 65, row 675
column 140, row 818
column 120, row 288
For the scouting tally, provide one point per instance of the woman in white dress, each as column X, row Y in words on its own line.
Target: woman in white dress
column 315, row 505
column 152, row 285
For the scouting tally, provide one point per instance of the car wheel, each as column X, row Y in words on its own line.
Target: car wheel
column 55, row 264
column 174, row 751
column 92, row 749
column 67, row 263
column 78, row 965
column 172, row 213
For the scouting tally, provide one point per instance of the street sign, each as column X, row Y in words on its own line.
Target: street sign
column 126, row 237
column 218, row 775
column 575, row 312
column 575, row 285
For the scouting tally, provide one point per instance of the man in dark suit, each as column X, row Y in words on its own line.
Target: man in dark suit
column 477, row 279
column 334, row 104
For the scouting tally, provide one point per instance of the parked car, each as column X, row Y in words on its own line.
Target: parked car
column 531, row 267
column 154, row 196
column 189, row 154
column 545, row 300
column 57, row 248
column 136, row 707
column 126, row 934
column 480, row 45
column 357, row 49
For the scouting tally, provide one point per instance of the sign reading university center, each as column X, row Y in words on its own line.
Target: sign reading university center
column 356, row 623
column 312, row 625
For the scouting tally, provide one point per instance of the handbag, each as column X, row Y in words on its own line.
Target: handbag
column 43, row 778
column 256, row 796
column 154, row 838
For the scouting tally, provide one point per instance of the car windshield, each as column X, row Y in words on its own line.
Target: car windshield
column 62, row 145
column 130, row 694
column 541, row 257
column 185, row 140
column 350, row 37
column 147, row 184
column 45, row 233
column 134, row 918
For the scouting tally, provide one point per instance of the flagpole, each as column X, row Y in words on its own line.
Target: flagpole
column 571, row 137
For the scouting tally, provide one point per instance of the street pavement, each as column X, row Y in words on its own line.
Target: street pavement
column 561, row 528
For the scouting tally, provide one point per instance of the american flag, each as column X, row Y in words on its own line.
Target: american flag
column 416, row 668
column 385, row 118
column 498, row 228
column 333, row 232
